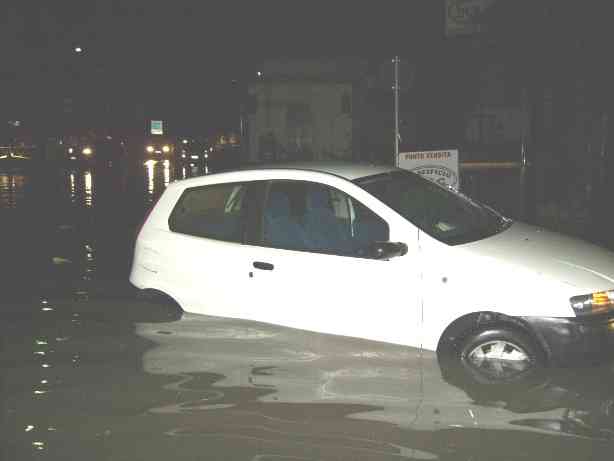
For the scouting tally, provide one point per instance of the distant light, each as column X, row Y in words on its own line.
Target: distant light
column 78, row 49
column 259, row 74
column 185, row 141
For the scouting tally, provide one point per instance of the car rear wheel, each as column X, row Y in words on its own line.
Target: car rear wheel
column 500, row 354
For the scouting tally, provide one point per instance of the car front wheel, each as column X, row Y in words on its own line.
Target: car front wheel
column 500, row 354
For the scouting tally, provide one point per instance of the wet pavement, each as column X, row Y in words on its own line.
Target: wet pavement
column 88, row 371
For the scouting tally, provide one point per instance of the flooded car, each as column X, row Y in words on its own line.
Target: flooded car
column 378, row 253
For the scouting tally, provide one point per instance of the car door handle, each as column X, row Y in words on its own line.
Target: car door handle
column 263, row 266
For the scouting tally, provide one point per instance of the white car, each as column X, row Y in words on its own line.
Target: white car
column 379, row 253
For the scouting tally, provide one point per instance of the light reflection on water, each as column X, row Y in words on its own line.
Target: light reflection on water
column 88, row 193
column 73, row 187
column 81, row 186
column 12, row 189
column 149, row 168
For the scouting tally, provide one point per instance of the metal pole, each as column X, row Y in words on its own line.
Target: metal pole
column 396, row 110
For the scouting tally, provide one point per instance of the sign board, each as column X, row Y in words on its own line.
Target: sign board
column 157, row 127
column 464, row 17
column 440, row 166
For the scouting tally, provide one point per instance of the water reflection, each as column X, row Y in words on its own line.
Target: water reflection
column 167, row 173
column 12, row 189
column 73, row 187
column 88, row 193
column 380, row 383
column 149, row 168
column 244, row 390
column 553, row 400
column 158, row 176
column 78, row 187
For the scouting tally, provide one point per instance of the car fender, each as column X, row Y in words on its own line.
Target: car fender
column 454, row 334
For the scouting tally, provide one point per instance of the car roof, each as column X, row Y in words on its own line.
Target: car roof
column 346, row 170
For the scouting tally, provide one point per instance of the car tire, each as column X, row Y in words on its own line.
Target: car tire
column 500, row 355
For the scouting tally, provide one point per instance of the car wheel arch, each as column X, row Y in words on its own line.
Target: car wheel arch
column 159, row 297
column 458, row 330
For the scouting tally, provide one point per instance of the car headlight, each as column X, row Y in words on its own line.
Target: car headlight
column 595, row 303
column 166, row 149
column 149, row 149
column 87, row 151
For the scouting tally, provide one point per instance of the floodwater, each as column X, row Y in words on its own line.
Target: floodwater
column 88, row 372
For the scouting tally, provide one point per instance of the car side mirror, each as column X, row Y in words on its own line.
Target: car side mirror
column 387, row 250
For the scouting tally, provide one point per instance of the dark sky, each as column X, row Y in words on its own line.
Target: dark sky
column 182, row 55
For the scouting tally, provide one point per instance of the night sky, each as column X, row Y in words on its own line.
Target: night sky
column 177, row 59
column 181, row 57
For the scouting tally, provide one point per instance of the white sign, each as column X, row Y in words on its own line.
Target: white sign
column 440, row 166
column 156, row 127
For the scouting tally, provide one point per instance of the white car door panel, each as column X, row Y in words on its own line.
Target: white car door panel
column 348, row 296
column 307, row 273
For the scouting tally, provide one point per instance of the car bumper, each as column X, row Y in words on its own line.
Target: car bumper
column 575, row 340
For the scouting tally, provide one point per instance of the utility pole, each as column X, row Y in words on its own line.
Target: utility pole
column 395, row 88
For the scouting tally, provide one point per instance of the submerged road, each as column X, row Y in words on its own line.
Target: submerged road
column 90, row 372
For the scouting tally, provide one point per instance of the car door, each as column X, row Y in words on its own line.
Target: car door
column 312, row 268
column 207, row 257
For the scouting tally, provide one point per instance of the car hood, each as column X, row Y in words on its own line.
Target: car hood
column 566, row 259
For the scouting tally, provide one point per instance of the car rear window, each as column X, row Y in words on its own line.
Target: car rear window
column 216, row 211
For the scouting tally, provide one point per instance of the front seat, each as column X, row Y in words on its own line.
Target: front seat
column 281, row 228
column 324, row 231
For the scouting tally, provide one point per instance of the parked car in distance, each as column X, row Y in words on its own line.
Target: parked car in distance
column 380, row 253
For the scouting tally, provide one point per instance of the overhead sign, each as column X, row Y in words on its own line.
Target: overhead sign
column 157, row 127
column 440, row 166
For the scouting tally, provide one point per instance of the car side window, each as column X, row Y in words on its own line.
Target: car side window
column 306, row 216
column 216, row 211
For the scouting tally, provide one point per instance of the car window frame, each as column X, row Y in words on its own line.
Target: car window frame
column 264, row 198
column 249, row 207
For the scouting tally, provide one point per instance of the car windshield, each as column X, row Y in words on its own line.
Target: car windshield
column 447, row 215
